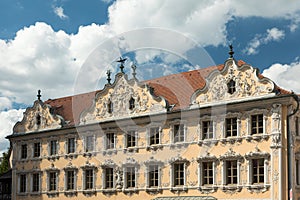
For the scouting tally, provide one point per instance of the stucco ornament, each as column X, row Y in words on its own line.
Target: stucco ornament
column 39, row 117
column 232, row 82
column 122, row 99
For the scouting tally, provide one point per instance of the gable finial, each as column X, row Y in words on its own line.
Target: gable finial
column 39, row 95
column 133, row 67
column 122, row 61
column 108, row 73
column 231, row 52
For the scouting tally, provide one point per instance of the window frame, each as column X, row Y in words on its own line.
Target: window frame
column 36, row 149
column 89, row 143
column 53, row 144
column 92, row 182
column 110, row 145
column 73, row 147
column 22, row 186
column 150, row 145
column 24, row 151
column 208, row 158
column 132, row 134
column 36, row 187
column 182, row 128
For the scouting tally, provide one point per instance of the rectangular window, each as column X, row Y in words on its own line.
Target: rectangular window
column 89, row 179
column 153, row 175
column 53, row 147
column 130, row 177
column 178, row 174
column 36, row 150
column 257, row 124
column 70, row 179
column 71, row 145
column 52, row 181
column 207, row 130
column 35, row 182
column 89, row 144
column 207, row 173
column 110, row 141
column 23, row 183
column 178, row 133
column 131, row 139
column 231, row 172
column 109, row 178
column 154, row 136
column 24, row 151
column 258, row 171
column 231, row 127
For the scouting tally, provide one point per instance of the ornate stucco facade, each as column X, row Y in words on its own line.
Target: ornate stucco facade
column 217, row 133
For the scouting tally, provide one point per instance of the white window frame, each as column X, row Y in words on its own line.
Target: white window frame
column 257, row 154
column 19, row 183
column 249, row 115
column 33, row 149
column 212, row 187
column 178, row 160
column 56, row 180
column 172, row 129
column 148, row 131
column 106, row 140
column 67, row 144
column 128, row 164
column 21, row 150
column 40, row 182
column 66, row 170
column 108, row 164
column 85, row 140
column 159, row 164
column 84, row 178
column 236, row 138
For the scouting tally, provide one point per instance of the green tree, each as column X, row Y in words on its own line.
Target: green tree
column 4, row 165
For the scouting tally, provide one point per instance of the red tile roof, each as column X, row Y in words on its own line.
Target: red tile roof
column 177, row 89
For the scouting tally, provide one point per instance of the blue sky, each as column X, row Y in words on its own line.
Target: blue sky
column 46, row 44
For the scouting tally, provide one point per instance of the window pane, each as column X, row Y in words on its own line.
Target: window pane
column 53, row 147
column 109, row 178
column 110, row 141
column 178, row 174
column 89, row 179
column 89, row 144
column 35, row 182
column 231, row 127
column 154, row 135
column 36, row 150
column 153, row 176
column 178, row 133
column 131, row 139
column 24, row 151
column 257, row 124
column 52, row 181
column 71, row 145
column 207, row 173
column 70, row 180
column 231, row 168
column 258, row 171
column 130, row 177
column 22, row 183
column 207, row 130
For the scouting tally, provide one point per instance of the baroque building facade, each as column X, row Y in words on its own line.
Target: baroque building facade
column 223, row 132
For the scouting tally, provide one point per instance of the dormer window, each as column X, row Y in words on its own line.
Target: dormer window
column 38, row 120
column 110, row 107
column 131, row 103
column 231, row 86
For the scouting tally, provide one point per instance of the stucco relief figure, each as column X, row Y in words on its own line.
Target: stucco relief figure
column 119, row 177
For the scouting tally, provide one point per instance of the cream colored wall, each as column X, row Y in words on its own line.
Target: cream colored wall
column 191, row 152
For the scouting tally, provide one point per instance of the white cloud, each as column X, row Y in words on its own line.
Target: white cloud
column 273, row 34
column 7, row 120
column 5, row 103
column 285, row 75
column 59, row 11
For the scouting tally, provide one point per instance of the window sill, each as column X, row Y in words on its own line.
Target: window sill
column 231, row 139
column 35, row 193
column 53, row 157
column 208, row 188
column 71, row 155
column 258, row 188
column 52, row 193
column 109, row 151
column 89, row 154
column 130, row 190
column 131, row 149
column 22, row 193
column 153, row 190
column 89, row 192
column 208, row 141
column 177, row 189
column 154, row 147
column 231, row 188
column 70, row 193
column 109, row 190
column 257, row 137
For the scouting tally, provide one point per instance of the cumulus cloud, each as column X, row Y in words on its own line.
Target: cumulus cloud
column 7, row 120
column 59, row 11
column 285, row 75
column 273, row 34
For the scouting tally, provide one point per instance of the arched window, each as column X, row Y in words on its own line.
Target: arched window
column 131, row 103
column 231, row 86
column 109, row 107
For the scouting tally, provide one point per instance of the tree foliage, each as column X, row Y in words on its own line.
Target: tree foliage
column 4, row 165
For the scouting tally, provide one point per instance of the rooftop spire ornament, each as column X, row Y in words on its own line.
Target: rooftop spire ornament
column 39, row 95
column 108, row 73
column 231, row 52
column 133, row 67
column 122, row 60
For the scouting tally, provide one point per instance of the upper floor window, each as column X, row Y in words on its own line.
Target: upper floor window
column 131, row 139
column 36, row 149
column 108, row 178
column 110, row 140
column 207, row 173
column 130, row 177
column 53, row 147
column 52, row 181
column 22, row 183
column 153, row 175
column 231, row 127
column 70, row 179
column 35, row 182
column 23, row 151
column 178, row 174
column 178, row 133
column 258, row 171
column 231, row 86
column 154, row 136
column 131, row 103
column 257, row 124
column 88, row 179
column 207, row 130
column 231, row 171
column 109, row 107
column 89, row 143
column 71, row 145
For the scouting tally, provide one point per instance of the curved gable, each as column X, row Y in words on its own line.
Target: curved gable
column 123, row 98
column 233, row 82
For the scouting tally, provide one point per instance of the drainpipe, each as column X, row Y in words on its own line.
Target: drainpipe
column 290, row 152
